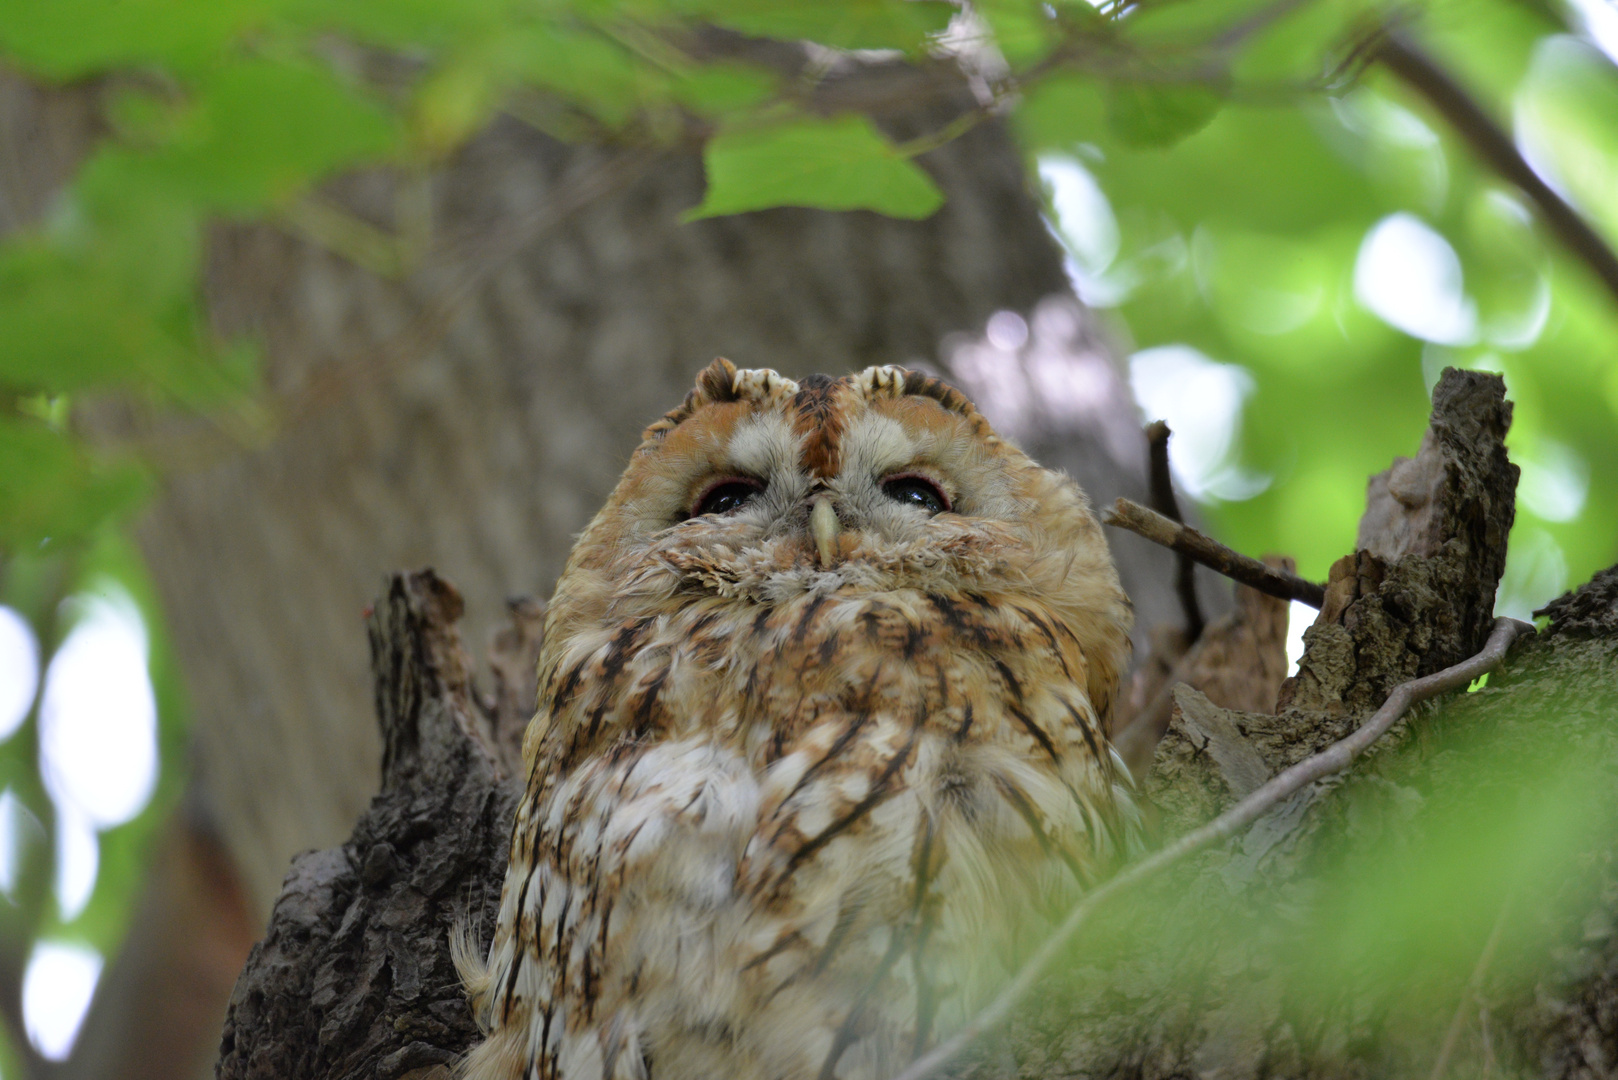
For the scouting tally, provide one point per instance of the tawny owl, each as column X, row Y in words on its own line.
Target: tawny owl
column 821, row 743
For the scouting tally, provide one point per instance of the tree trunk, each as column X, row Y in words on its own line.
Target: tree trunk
column 472, row 415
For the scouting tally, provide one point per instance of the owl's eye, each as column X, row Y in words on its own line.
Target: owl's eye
column 917, row 491
column 727, row 496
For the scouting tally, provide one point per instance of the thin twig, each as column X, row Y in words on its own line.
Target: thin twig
column 1164, row 502
column 1420, row 72
column 1333, row 759
column 1126, row 514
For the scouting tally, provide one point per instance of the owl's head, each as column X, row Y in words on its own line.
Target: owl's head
column 758, row 489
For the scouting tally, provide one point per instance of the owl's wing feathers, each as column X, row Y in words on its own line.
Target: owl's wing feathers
column 628, row 868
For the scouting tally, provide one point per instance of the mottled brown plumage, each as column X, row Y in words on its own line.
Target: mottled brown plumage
column 804, row 782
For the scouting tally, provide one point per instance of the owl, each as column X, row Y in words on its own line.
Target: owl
column 821, row 748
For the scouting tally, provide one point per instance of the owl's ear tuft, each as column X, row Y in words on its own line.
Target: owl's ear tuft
column 719, row 383
column 898, row 382
column 715, row 383
column 921, row 384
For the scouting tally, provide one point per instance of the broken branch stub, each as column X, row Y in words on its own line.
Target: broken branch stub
column 353, row 977
column 1418, row 594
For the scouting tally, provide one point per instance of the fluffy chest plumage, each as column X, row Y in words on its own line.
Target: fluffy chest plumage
column 761, row 678
column 887, row 776
column 973, row 707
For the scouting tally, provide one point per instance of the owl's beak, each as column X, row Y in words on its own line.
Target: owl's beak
column 824, row 526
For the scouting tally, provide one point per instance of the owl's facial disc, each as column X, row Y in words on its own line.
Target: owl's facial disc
column 827, row 489
column 758, row 490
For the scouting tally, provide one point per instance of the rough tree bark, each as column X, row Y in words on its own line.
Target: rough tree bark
column 354, row 979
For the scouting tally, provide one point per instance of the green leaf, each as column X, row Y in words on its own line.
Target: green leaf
column 404, row 24
column 1303, row 44
column 841, row 24
column 135, row 227
column 1061, row 111
column 66, row 326
column 50, row 487
column 69, row 39
column 720, row 89
column 836, row 164
column 1188, row 22
column 261, row 132
column 584, row 67
column 1155, row 115
column 110, row 300
column 1270, row 170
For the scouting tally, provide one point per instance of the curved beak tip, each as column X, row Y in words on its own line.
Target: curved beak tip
column 824, row 527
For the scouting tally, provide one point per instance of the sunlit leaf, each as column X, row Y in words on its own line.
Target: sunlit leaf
column 837, row 164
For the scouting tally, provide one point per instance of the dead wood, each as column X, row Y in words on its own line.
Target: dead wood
column 353, row 977
column 1184, row 540
column 1418, row 595
column 1239, row 662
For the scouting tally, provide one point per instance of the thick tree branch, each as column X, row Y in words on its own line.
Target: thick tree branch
column 1126, row 514
column 1411, row 64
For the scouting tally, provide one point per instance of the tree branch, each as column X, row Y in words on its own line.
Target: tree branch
column 1126, row 514
column 1164, row 502
column 1333, row 759
column 1411, row 65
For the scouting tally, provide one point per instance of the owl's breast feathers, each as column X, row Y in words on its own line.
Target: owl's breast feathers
column 783, row 844
column 972, row 670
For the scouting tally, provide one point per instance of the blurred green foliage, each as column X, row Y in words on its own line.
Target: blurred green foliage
column 1244, row 151
column 1467, row 877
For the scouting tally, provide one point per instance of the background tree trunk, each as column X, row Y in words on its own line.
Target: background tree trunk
column 473, row 414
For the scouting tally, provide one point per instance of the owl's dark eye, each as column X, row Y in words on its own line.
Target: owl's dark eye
column 917, row 491
column 727, row 496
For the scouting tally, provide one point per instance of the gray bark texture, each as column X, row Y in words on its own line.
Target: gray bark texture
column 1209, row 973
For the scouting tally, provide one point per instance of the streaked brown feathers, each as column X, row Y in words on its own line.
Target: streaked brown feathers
column 789, row 818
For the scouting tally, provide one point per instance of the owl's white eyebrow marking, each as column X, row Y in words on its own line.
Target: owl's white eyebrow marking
column 875, row 444
column 763, row 445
